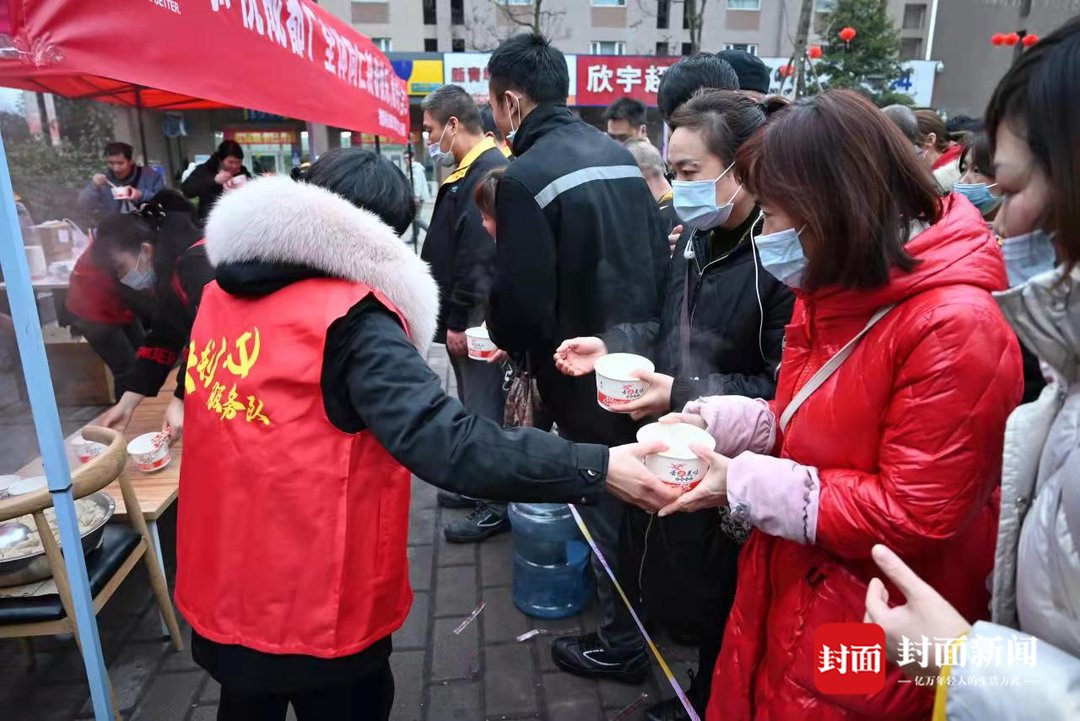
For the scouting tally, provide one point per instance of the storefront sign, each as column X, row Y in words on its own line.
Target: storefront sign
column 469, row 70
column 262, row 137
column 917, row 82
column 606, row 78
column 421, row 76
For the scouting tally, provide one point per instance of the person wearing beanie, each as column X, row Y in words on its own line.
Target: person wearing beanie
column 752, row 72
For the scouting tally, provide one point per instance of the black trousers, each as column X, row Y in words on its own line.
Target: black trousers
column 114, row 344
column 367, row 699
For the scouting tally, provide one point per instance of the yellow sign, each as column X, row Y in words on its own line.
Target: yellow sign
column 425, row 77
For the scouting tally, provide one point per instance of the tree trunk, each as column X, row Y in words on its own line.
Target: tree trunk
column 801, row 33
column 1021, row 24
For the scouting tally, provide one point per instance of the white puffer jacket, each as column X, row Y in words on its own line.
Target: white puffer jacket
column 1036, row 583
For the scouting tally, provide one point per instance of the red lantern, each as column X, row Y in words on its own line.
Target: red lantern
column 1012, row 39
column 998, row 39
column 814, row 51
column 848, row 34
column 1030, row 40
column 786, row 71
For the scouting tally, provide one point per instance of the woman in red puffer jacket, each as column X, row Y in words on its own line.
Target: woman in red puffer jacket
column 900, row 445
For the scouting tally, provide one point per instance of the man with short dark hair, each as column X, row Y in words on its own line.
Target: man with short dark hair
column 626, row 120
column 752, row 72
column 122, row 188
column 581, row 248
column 492, row 131
column 462, row 258
column 689, row 75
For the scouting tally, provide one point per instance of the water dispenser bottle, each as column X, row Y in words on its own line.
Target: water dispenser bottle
column 551, row 561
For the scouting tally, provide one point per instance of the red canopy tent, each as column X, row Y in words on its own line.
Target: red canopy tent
column 287, row 57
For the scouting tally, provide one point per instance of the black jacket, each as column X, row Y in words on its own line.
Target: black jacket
column 200, row 184
column 459, row 250
column 177, row 295
column 711, row 335
column 581, row 248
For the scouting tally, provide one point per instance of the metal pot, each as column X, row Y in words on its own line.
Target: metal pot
column 34, row 566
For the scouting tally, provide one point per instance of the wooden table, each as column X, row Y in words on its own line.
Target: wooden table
column 155, row 491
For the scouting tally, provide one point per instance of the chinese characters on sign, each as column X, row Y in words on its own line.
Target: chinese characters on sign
column 608, row 78
column 849, row 658
column 262, row 137
column 237, row 359
column 295, row 26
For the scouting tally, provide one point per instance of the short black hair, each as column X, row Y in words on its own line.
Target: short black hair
column 118, row 148
column 120, row 233
column 689, row 75
column 628, row 109
column 487, row 119
column 529, row 64
column 229, row 149
column 964, row 124
column 451, row 101
column 367, row 180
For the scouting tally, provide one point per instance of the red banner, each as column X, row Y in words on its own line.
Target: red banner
column 602, row 79
column 287, row 57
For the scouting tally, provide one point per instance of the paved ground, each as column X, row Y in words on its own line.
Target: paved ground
column 483, row 673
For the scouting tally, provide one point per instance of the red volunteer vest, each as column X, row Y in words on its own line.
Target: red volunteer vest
column 291, row 535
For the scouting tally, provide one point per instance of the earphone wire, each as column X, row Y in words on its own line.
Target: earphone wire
column 757, row 292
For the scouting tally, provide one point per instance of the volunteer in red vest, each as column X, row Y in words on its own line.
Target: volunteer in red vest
column 161, row 249
column 308, row 405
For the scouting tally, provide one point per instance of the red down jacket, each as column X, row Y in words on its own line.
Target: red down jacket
column 907, row 438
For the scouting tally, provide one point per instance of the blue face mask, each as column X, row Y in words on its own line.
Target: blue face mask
column 695, row 202
column 781, row 254
column 137, row 279
column 1028, row 255
column 979, row 194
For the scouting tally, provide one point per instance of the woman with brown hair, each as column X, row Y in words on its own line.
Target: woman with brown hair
column 897, row 376
column 937, row 148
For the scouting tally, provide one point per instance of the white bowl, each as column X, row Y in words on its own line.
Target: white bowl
column 615, row 386
column 150, row 452
column 86, row 450
column 677, row 467
column 121, row 192
column 481, row 347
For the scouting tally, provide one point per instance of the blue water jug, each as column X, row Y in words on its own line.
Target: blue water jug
column 551, row 561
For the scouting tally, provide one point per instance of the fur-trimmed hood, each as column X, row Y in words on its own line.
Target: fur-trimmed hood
column 278, row 220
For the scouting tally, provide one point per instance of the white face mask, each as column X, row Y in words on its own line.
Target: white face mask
column 510, row 117
column 1028, row 255
column 437, row 154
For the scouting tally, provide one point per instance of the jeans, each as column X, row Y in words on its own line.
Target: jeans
column 367, row 699
column 480, row 389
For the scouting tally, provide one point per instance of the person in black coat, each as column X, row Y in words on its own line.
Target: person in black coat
column 581, row 248
column 209, row 180
column 720, row 332
column 162, row 249
column 375, row 379
column 462, row 258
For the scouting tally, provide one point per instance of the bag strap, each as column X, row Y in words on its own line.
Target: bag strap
column 819, row 378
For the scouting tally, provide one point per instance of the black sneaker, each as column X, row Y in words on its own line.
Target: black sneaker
column 586, row 656
column 449, row 499
column 483, row 523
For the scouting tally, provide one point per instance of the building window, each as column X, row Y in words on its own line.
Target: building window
column 384, row 44
column 914, row 16
column 429, row 12
column 687, row 49
column 662, row 48
column 516, row 2
column 663, row 14
column 457, row 12
column 457, row 45
column 685, row 19
column 609, row 3
column 911, row 49
column 825, row 6
column 607, row 47
column 743, row 4
column 431, row 45
column 751, row 48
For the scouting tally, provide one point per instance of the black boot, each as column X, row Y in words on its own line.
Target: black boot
column 483, row 523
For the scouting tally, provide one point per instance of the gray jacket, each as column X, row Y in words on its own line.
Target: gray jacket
column 1036, row 581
